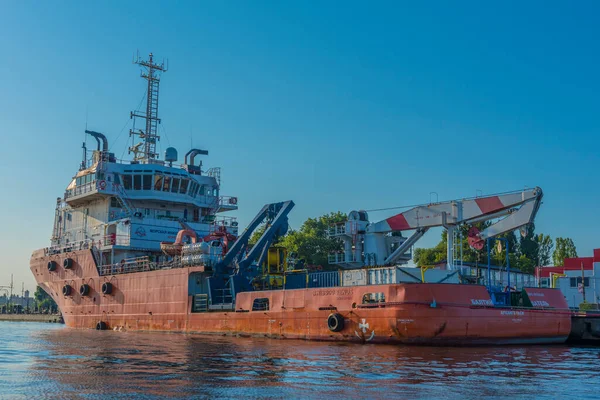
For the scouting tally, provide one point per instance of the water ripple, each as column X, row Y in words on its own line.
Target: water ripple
column 50, row 361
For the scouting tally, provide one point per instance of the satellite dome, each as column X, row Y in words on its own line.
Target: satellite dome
column 171, row 154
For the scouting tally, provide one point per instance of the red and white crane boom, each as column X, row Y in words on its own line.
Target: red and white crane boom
column 507, row 212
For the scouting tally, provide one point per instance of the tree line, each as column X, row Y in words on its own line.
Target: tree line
column 44, row 302
column 525, row 251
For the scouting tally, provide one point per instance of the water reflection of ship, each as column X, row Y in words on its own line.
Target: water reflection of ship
column 147, row 364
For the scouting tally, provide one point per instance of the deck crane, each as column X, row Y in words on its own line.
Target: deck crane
column 235, row 271
column 373, row 243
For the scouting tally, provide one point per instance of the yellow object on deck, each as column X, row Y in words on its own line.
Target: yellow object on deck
column 276, row 262
column 423, row 269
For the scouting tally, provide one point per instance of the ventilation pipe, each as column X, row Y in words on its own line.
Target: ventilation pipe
column 98, row 143
column 99, row 136
column 185, row 161
column 195, row 152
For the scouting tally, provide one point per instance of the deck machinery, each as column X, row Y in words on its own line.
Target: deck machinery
column 381, row 243
column 241, row 265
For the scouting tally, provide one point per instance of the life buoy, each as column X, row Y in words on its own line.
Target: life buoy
column 102, row 185
column 335, row 322
column 233, row 200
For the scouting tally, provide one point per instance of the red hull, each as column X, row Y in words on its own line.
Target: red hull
column 412, row 313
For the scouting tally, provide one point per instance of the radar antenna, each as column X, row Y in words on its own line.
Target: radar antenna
column 146, row 150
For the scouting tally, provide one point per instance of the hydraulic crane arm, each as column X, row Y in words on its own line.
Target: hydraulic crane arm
column 276, row 216
column 518, row 208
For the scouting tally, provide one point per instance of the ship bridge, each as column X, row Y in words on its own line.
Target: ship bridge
column 148, row 182
column 126, row 208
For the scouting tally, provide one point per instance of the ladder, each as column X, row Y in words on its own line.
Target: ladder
column 200, row 303
column 124, row 201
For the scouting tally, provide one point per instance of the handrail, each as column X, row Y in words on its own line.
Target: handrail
column 138, row 264
column 113, row 239
column 80, row 245
column 81, row 189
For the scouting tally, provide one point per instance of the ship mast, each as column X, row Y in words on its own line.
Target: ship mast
column 146, row 150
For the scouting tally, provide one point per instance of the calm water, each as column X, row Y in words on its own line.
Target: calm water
column 51, row 361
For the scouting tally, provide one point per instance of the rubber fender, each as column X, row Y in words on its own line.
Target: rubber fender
column 67, row 289
column 107, row 288
column 84, row 289
column 68, row 263
column 335, row 322
column 101, row 326
column 52, row 266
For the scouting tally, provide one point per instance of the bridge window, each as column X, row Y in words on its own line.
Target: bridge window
column 175, row 185
column 158, row 182
column 114, row 203
column 373, row 298
column 137, row 182
column 261, row 304
column 167, row 185
column 184, row 186
column 147, row 184
column 127, row 182
column 202, row 189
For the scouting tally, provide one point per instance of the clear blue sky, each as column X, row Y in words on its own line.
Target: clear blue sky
column 336, row 105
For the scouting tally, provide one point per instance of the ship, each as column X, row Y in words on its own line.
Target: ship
column 146, row 245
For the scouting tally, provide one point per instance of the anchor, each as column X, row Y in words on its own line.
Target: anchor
column 363, row 326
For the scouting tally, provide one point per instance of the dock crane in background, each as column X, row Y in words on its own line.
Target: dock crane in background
column 374, row 243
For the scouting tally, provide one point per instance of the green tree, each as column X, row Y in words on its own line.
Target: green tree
column 526, row 264
column 525, row 253
column 44, row 301
column 311, row 243
column 499, row 257
column 528, row 246
column 422, row 257
column 545, row 246
column 565, row 248
column 256, row 235
column 438, row 253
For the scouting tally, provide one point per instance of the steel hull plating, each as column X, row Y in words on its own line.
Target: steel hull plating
column 432, row 314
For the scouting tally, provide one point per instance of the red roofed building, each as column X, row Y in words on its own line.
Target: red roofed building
column 570, row 284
